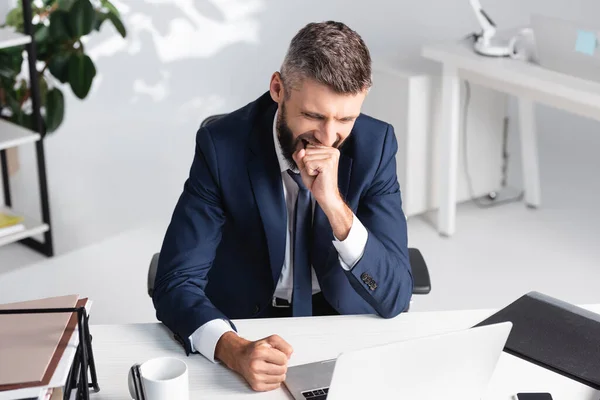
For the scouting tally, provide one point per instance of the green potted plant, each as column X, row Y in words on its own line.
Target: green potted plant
column 59, row 26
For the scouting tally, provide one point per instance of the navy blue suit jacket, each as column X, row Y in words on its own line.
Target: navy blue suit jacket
column 224, row 249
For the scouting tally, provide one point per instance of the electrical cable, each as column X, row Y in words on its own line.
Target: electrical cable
column 477, row 201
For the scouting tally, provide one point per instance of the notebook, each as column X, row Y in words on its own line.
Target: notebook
column 29, row 342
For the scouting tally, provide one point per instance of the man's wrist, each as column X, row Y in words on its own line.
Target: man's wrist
column 340, row 217
column 228, row 348
column 335, row 205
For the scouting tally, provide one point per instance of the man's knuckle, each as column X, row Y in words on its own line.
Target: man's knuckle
column 254, row 365
column 257, row 344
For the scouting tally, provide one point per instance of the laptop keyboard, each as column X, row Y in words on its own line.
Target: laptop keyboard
column 317, row 394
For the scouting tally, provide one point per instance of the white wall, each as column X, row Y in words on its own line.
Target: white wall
column 122, row 155
column 4, row 8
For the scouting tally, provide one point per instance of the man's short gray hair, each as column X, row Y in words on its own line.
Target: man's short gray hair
column 330, row 53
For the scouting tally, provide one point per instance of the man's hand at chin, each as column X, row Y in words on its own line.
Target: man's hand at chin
column 318, row 166
column 262, row 363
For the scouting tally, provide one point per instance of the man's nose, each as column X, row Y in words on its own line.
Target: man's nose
column 327, row 135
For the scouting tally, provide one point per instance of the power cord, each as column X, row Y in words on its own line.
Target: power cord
column 505, row 156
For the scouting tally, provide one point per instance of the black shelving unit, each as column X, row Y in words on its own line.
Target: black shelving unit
column 46, row 246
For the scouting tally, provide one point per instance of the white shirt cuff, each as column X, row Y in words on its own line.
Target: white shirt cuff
column 204, row 339
column 351, row 250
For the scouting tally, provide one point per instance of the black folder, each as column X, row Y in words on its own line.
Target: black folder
column 555, row 335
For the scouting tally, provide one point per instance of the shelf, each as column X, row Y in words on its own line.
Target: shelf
column 32, row 228
column 12, row 135
column 10, row 38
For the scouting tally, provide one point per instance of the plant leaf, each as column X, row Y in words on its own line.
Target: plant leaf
column 15, row 18
column 42, row 33
column 27, row 121
column 43, row 90
column 59, row 29
column 20, row 118
column 65, row 5
column 55, row 109
column 12, row 102
column 59, row 66
column 81, row 74
column 11, row 61
column 116, row 21
column 81, row 18
column 22, row 90
column 100, row 18
column 110, row 7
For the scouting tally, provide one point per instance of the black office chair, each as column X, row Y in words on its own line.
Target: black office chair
column 421, row 280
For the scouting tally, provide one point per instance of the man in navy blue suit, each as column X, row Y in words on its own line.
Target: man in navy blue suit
column 292, row 208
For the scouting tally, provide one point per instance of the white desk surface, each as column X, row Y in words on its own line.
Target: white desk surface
column 117, row 347
column 520, row 78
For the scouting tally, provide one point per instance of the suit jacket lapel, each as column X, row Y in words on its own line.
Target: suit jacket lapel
column 267, row 186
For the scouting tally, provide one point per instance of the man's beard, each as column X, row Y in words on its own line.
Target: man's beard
column 289, row 145
column 286, row 138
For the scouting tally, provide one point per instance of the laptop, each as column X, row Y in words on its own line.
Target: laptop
column 457, row 365
column 567, row 47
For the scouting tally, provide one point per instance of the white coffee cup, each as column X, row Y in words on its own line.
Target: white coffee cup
column 163, row 378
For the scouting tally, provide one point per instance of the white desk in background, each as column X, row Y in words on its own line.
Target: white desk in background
column 530, row 83
column 117, row 347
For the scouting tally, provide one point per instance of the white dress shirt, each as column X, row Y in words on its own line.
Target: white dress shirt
column 350, row 251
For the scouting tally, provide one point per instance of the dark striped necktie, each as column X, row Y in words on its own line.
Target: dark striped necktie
column 302, row 291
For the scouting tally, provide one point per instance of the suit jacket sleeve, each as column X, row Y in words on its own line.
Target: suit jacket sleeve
column 383, row 276
column 189, row 247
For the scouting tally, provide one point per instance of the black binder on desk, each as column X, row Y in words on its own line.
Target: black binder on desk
column 555, row 335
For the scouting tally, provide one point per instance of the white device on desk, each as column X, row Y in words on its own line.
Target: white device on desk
column 567, row 47
column 456, row 365
column 486, row 42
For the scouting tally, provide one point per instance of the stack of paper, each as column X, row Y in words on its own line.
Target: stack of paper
column 37, row 350
column 10, row 224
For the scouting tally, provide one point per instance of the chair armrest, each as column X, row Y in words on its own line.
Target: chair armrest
column 152, row 273
column 421, row 280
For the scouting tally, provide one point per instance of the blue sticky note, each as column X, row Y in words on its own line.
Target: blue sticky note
column 586, row 42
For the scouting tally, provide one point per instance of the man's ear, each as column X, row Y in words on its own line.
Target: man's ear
column 276, row 88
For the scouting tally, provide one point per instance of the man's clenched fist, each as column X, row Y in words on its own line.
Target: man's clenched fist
column 262, row 363
column 318, row 166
